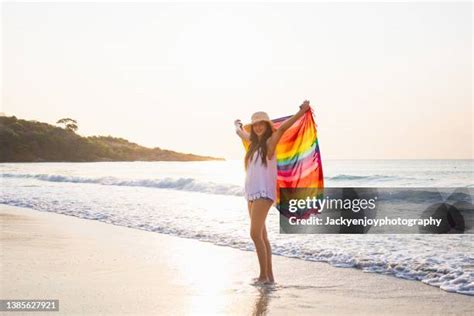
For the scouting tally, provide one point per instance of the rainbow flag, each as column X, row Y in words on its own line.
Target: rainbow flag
column 298, row 161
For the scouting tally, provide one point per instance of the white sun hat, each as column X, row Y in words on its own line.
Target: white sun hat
column 260, row 116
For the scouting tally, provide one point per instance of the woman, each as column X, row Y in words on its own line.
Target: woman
column 261, row 180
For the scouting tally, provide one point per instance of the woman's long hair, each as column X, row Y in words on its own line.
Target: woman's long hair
column 259, row 146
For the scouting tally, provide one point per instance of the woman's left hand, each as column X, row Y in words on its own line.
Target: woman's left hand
column 305, row 106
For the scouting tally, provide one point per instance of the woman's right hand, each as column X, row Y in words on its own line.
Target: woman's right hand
column 238, row 123
column 240, row 130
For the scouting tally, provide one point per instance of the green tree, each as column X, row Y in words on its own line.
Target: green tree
column 69, row 124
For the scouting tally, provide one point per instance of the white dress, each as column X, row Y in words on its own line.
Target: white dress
column 260, row 180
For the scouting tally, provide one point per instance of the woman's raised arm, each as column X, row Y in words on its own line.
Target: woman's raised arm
column 275, row 138
column 240, row 131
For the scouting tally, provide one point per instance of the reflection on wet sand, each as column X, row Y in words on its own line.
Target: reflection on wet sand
column 262, row 299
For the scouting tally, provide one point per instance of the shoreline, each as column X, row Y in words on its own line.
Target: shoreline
column 97, row 268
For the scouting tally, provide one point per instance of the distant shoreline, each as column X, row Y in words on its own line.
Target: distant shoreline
column 12, row 162
column 33, row 141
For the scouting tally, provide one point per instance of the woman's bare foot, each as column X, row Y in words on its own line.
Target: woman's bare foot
column 260, row 280
column 271, row 278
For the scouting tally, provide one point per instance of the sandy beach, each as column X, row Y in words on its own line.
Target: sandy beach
column 96, row 268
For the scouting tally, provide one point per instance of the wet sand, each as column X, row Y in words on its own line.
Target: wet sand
column 97, row 268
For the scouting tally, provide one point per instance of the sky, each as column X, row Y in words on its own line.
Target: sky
column 386, row 80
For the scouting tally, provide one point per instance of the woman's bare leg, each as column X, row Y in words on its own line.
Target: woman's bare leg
column 269, row 254
column 259, row 211
column 267, row 247
column 249, row 205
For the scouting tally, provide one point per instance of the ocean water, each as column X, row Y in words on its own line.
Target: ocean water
column 204, row 201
